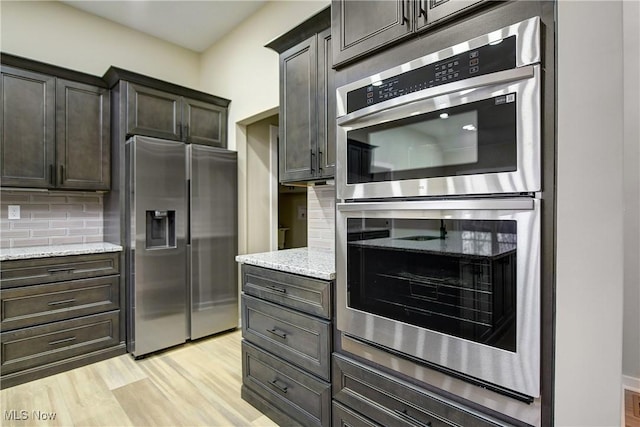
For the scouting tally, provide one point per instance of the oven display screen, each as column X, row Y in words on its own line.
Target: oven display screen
column 457, row 277
column 484, row 60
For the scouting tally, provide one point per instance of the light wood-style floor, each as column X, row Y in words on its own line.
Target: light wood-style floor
column 197, row 384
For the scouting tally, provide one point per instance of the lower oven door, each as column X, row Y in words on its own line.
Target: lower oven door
column 453, row 283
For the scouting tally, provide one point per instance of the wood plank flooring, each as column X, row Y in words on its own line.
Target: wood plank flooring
column 197, row 384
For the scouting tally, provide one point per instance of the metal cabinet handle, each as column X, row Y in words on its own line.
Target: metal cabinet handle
column 319, row 160
column 403, row 18
column 52, row 175
column 186, row 132
column 312, row 156
column 62, row 341
column 422, row 9
column 278, row 333
column 180, row 131
column 280, row 386
column 60, row 270
column 62, row 176
column 411, row 419
column 277, row 289
column 67, row 301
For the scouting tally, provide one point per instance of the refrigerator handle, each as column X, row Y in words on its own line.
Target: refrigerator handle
column 188, row 211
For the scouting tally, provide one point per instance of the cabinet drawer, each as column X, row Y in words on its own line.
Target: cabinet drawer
column 391, row 401
column 297, row 338
column 38, row 304
column 345, row 417
column 312, row 296
column 286, row 388
column 37, row 271
column 35, row 346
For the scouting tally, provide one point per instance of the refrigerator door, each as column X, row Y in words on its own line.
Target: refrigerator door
column 156, row 233
column 214, row 240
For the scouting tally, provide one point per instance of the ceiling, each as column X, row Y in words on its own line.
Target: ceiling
column 195, row 25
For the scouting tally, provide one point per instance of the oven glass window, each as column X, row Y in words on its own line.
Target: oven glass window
column 473, row 138
column 457, row 277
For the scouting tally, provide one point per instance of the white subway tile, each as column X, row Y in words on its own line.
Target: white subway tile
column 65, row 240
column 21, row 243
column 48, row 233
column 85, row 231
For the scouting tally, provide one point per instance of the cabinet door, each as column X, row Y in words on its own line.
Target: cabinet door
column 152, row 112
column 326, row 108
column 82, row 136
column 360, row 27
column 27, row 128
column 298, row 105
column 204, row 123
column 440, row 9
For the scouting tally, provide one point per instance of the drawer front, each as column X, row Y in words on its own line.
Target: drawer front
column 302, row 293
column 37, row 271
column 290, row 390
column 391, row 401
column 30, row 347
column 295, row 337
column 35, row 305
column 345, row 417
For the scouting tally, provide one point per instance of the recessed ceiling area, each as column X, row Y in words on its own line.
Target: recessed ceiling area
column 194, row 25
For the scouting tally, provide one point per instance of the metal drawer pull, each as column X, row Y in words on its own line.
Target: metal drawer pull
column 62, row 341
column 277, row 289
column 283, row 388
column 409, row 418
column 276, row 332
column 60, row 270
column 67, row 301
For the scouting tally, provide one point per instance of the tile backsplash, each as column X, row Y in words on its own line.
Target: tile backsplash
column 51, row 218
column 321, row 223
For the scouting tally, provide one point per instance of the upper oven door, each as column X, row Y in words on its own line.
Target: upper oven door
column 464, row 121
column 452, row 282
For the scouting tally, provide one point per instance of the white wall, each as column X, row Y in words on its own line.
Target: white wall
column 631, row 46
column 240, row 68
column 589, row 281
column 54, row 33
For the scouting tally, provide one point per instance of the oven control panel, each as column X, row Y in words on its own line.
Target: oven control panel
column 483, row 60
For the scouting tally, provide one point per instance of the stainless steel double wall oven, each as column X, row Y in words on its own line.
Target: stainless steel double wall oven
column 438, row 222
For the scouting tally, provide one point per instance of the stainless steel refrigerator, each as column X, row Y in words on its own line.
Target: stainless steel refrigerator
column 181, row 240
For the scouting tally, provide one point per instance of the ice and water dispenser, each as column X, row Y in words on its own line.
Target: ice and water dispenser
column 161, row 229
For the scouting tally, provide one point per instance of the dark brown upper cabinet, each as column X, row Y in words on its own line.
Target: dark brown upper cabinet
column 82, row 136
column 164, row 110
column 54, row 128
column 365, row 26
column 306, row 149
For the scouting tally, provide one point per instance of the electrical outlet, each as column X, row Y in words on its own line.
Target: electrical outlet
column 302, row 212
column 14, row 212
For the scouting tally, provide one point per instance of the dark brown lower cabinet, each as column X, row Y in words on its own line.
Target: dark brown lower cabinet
column 58, row 313
column 376, row 398
column 286, row 351
column 282, row 391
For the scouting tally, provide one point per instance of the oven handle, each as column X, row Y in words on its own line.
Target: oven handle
column 516, row 203
column 499, row 77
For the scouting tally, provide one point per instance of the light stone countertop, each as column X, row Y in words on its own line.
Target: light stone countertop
column 57, row 250
column 318, row 263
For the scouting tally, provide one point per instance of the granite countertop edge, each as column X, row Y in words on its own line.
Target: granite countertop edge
column 317, row 263
column 8, row 254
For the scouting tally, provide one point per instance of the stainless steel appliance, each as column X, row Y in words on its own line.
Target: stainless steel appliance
column 461, row 121
column 455, row 283
column 441, row 157
column 181, row 241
